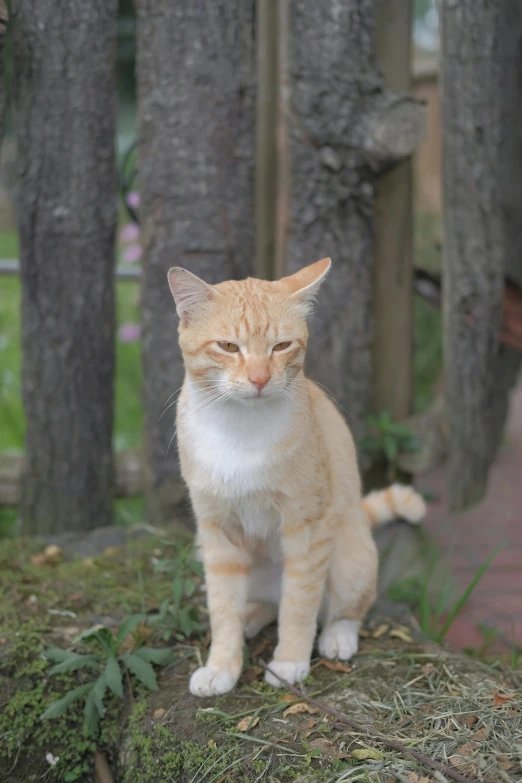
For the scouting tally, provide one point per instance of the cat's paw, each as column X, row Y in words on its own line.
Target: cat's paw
column 209, row 681
column 339, row 640
column 289, row 670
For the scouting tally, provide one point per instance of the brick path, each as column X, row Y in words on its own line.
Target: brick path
column 469, row 538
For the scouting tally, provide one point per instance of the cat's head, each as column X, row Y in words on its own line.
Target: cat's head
column 245, row 340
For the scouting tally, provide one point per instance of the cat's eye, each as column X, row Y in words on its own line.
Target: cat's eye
column 229, row 347
column 282, row 346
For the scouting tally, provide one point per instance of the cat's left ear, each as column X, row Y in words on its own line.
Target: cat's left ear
column 305, row 284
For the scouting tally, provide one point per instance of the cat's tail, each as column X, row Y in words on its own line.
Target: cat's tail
column 384, row 505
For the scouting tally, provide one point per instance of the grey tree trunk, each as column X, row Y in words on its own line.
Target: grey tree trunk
column 482, row 181
column 196, row 90
column 65, row 117
column 343, row 129
column 4, row 19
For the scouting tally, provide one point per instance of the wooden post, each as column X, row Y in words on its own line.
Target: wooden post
column 482, row 195
column 65, row 94
column 393, row 264
column 344, row 127
column 196, row 72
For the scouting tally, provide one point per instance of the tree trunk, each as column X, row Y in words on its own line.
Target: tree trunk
column 393, row 267
column 65, row 100
column 4, row 19
column 482, row 173
column 196, row 90
column 343, row 128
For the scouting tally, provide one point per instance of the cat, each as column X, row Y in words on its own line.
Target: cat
column 272, row 474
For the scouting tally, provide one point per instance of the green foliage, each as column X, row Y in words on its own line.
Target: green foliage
column 387, row 438
column 437, row 613
column 104, row 670
column 176, row 614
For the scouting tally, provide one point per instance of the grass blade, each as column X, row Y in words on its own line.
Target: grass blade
column 461, row 601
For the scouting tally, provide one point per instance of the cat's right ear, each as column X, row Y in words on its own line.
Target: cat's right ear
column 189, row 291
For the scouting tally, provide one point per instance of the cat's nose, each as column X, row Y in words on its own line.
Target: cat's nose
column 259, row 379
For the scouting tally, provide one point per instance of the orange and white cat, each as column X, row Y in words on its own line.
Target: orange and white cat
column 272, row 473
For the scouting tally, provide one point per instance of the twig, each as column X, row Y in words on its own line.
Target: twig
column 102, row 771
column 417, row 755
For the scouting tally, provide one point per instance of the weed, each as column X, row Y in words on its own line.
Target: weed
column 108, row 666
column 176, row 614
column 387, row 439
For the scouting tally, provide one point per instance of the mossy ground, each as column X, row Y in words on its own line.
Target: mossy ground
column 448, row 706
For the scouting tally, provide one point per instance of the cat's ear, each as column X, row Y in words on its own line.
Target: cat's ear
column 305, row 284
column 190, row 292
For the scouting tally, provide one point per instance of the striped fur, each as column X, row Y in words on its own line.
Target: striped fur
column 273, row 478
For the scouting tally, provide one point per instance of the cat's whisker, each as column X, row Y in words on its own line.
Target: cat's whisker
column 328, row 393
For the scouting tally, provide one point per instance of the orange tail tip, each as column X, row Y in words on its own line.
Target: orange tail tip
column 382, row 506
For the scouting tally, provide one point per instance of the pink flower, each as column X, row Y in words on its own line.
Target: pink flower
column 132, row 254
column 133, row 199
column 130, row 233
column 129, row 332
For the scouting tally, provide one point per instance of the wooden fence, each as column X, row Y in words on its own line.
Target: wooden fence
column 268, row 138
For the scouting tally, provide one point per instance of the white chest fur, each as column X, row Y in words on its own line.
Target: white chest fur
column 234, row 445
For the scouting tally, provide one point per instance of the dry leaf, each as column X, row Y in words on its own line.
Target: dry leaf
column 457, row 761
column 288, row 697
column 504, row 762
column 252, row 674
column 247, row 723
column 471, row 720
column 211, row 743
column 322, row 744
column 50, row 556
column 481, row 734
column 414, row 778
column 401, row 633
column 310, row 724
column 364, row 634
column 467, row 749
column 335, row 666
column 159, row 713
column 367, row 753
column 380, row 631
column 499, row 699
column 259, row 648
column 300, row 707
column 427, row 668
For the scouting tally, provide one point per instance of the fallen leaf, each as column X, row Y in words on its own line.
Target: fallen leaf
column 364, row 634
column 471, row 720
column 300, row 707
column 457, row 761
column 504, row 762
column 414, row 778
column 380, row 631
column 311, row 723
column 159, row 713
column 252, row 674
column 211, row 743
column 367, row 753
column 427, row 668
column 467, row 749
column 481, row 734
column 247, row 723
column 50, row 556
column 335, row 666
column 259, row 648
column 288, row 697
column 402, row 634
column 322, row 744
column 499, row 699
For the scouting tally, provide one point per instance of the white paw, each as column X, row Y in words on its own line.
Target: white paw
column 288, row 670
column 208, row 681
column 339, row 640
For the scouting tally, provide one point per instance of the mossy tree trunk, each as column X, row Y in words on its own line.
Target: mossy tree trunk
column 344, row 127
column 482, row 181
column 65, row 97
column 196, row 93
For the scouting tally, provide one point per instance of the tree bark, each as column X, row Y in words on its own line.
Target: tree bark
column 393, row 266
column 4, row 20
column 344, row 128
column 65, row 101
column 196, row 90
column 482, row 182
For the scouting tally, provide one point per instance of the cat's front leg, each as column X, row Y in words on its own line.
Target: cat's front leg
column 227, row 566
column 307, row 546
